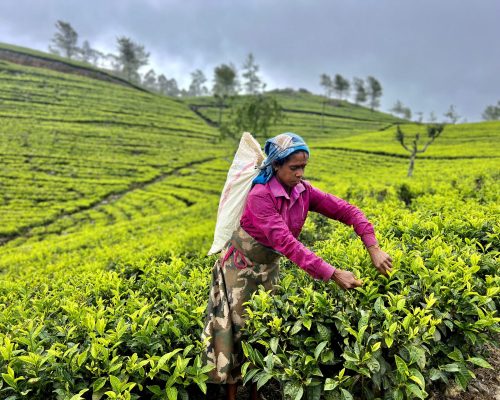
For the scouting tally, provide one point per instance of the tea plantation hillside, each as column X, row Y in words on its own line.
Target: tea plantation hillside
column 108, row 202
column 29, row 57
column 345, row 126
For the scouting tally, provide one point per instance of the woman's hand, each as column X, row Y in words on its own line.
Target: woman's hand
column 380, row 259
column 346, row 279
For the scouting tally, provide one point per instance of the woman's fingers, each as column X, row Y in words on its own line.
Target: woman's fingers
column 381, row 260
column 346, row 279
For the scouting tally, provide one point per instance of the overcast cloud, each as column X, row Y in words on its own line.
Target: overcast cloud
column 428, row 53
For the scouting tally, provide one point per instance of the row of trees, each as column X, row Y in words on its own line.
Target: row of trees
column 405, row 112
column 363, row 92
column 255, row 113
column 131, row 57
column 491, row 113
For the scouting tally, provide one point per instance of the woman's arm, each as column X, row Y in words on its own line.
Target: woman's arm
column 262, row 215
column 336, row 208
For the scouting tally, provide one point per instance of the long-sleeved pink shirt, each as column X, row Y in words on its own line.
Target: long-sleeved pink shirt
column 275, row 219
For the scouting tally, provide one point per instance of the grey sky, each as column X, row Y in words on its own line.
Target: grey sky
column 428, row 53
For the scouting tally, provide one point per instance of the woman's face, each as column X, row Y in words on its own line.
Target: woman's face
column 292, row 171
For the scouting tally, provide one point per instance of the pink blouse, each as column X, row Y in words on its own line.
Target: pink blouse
column 275, row 219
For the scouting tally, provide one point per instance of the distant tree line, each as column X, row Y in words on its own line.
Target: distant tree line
column 131, row 57
column 369, row 91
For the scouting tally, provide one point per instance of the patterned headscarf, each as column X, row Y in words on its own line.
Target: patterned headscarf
column 276, row 149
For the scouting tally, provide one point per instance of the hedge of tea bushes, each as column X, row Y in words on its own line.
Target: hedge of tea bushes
column 67, row 142
column 123, row 333
column 422, row 328
column 131, row 329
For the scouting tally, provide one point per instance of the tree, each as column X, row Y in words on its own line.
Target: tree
column 88, row 54
column 196, row 87
column 168, row 87
column 374, row 92
column 492, row 113
column 452, row 114
column 253, row 84
column 327, row 83
column 149, row 81
column 400, row 109
column 341, row 85
column 359, row 88
column 433, row 131
column 225, row 85
column 65, row 40
column 256, row 115
column 131, row 57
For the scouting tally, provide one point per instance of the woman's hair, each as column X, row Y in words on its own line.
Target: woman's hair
column 282, row 161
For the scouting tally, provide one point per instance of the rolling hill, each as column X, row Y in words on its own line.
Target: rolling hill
column 108, row 202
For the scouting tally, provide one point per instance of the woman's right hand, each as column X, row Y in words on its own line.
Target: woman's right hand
column 346, row 279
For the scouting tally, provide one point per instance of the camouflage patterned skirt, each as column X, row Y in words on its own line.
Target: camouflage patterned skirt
column 235, row 276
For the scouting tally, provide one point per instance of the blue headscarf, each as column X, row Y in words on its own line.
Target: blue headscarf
column 276, row 149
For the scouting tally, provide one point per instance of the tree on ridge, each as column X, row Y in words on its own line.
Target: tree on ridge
column 327, row 83
column 65, row 40
column 253, row 84
column 225, row 85
column 492, row 113
column 88, row 54
column 400, row 109
column 360, row 91
column 131, row 57
column 197, row 88
column 374, row 92
column 150, row 81
column 341, row 85
column 168, row 87
column 452, row 114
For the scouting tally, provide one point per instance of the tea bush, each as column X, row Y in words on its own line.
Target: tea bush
column 394, row 337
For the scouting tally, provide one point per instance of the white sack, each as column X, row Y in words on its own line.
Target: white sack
column 242, row 172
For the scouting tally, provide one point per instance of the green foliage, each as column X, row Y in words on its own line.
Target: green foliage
column 374, row 91
column 341, row 85
column 125, row 341
column 492, row 112
column 131, row 57
column 65, row 40
column 108, row 204
column 400, row 109
column 256, row 114
column 253, row 83
column 396, row 336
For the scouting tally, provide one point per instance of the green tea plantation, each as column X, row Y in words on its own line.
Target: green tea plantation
column 108, row 202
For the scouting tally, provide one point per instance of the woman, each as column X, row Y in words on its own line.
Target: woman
column 274, row 213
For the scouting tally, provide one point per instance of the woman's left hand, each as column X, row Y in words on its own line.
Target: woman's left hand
column 380, row 259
